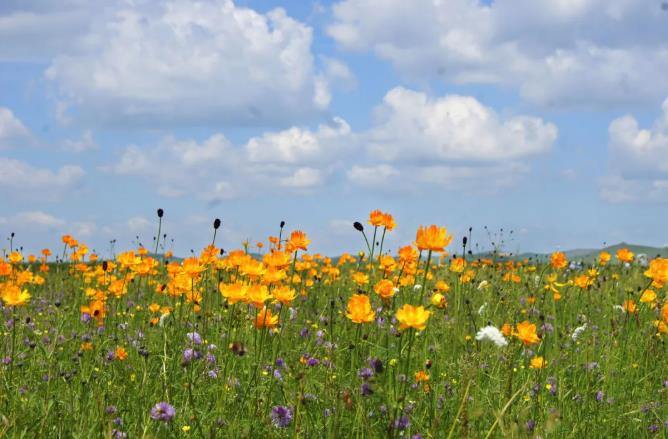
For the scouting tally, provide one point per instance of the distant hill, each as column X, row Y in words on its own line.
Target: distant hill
column 584, row 254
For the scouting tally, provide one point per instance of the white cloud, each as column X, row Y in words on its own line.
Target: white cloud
column 415, row 127
column 303, row 178
column 18, row 178
column 178, row 61
column 372, row 176
column 581, row 53
column 638, row 168
column 12, row 129
column 138, row 224
column 38, row 218
column 85, row 143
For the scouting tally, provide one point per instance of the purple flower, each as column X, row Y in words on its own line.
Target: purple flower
column 531, row 424
column 402, row 423
column 376, row 364
column 313, row 362
column 281, row 416
column 599, row 396
column 653, row 428
column 85, row 317
column 194, row 337
column 163, row 412
column 365, row 389
column 365, row 373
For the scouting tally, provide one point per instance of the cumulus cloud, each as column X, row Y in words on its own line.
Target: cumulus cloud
column 415, row 127
column 177, row 62
column 638, row 168
column 18, row 179
column 12, row 130
column 555, row 52
column 85, row 143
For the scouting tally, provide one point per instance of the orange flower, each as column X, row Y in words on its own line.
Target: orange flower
column 12, row 295
column 376, row 218
column 298, row 241
column 265, row 319
column 625, row 255
column 648, row 296
column 457, row 265
column 558, row 260
column 388, row 222
column 432, row 238
column 15, row 257
column 507, row 329
column 658, row 272
column 233, row 293
column 538, row 363
column 604, row 258
column 664, row 312
column 385, row 289
column 630, row 306
column 438, row 300
column 410, row 316
column 526, row 332
column 360, row 278
column 257, row 295
column 284, row 294
column 359, row 309
column 583, row 281
column 120, row 353
column 421, row 376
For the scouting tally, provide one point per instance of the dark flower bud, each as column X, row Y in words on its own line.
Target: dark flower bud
column 358, row 226
column 464, row 241
column 428, row 364
column 160, row 213
column 282, row 224
column 105, row 265
column 216, row 223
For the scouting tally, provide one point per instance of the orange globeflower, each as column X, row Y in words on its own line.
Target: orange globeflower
column 583, row 281
column 658, row 272
column 298, row 240
column 410, row 316
column 558, row 260
column 526, row 332
column 630, row 306
column 284, row 294
column 385, row 289
column 12, row 295
column 538, row 363
column 625, row 255
column 120, row 353
column 648, row 296
column 432, row 238
column 257, row 295
column 604, row 258
column 233, row 293
column 388, row 222
column 265, row 319
column 15, row 257
column 359, row 309
column 376, row 218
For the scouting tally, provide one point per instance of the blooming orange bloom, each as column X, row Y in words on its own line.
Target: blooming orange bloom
column 385, row 289
column 257, row 295
column 604, row 258
column 664, row 312
column 457, row 265
column 526, row 332
column 120, row 353
column 583, row 281
column 376, row 218
column 658, row 272
column 15, row 257
column 538, row 363
column 410, row 316
column 648, row 296
column 233, row 293
column 507, row 329
column 284, row 294
column 12, row 295
column 360, row 278
column 359, row 309
column 421, row 375
column 432, row 238
column 558, row 260
column 265, row 319
column 298, row 240
column 630, row 306
column 388, row 222
column 625, row 255
column 438, row 300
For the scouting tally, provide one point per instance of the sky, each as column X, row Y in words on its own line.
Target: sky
column 547, row 118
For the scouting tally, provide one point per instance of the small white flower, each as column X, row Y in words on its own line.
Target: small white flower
column 483, row 284
column 482, row 309
column 579, row 330
column 163, row 318
column 492, row 334
column 417, row 287
column 618, row 308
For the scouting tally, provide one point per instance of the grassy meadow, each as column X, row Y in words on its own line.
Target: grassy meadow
column 270, row 340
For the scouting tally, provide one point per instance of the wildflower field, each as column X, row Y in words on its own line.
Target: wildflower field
column 269, row 340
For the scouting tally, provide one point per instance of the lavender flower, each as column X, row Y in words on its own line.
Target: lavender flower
column 281, row 416
column 163, row 412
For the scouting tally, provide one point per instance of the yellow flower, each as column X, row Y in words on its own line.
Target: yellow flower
column 538, row 363
column 257, row 295
column 526, row 332
column 284, row 294
column 298, row 241
column 432, row 238
column 360, row 278
column 12, row 295
column 604, row 258
column 410, row 316
column 359, row 309
column 376, row 218
column 629, row 306
column 438, row 300
column 648, row 296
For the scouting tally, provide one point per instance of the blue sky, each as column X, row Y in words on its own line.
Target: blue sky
column 547, row 117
